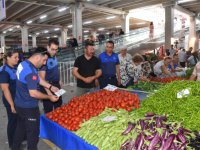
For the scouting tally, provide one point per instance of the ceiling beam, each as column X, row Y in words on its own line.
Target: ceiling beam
column 9, row 6
column 103, row 9
column 180, row 8
column 16, row 12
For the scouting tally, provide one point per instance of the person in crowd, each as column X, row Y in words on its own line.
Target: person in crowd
column 8, row 86
column 151, row 30
column 176, row 44
column 196, row 73
column 172, row 51
column 101, row 37
column 174, row 64
column 72, row 42
column 110, row 66
column 87, row 70
column 134, row 71
column 92, row 38
column 161, row 52
column 189, row 52
column 27, row 97
column 161, row 67
column 193, row 59
column 182, row 57
column 111, row 35
column 124, row 57
column 50, row 73
column 121, row 32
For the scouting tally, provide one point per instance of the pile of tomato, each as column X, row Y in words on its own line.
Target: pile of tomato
column 82, row 108
column 167, row 79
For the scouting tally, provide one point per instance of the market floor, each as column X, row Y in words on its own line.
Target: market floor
column 43, row 145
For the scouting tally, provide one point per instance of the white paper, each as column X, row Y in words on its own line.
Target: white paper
column 60, row 92
column 109, row 118
column 183, row 93
column 110, row 87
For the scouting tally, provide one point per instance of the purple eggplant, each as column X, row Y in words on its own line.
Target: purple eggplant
column 150, row 114
column 131, row 145
column 123, row 146
column 154, row 142
column 137, row 141
column 141, row 142
column 168, row 142
column 183, row 146
column 130, row 127
column 165, row 134
column 149, row 138
column 163, row 118
column 158, row 123
column 180, row 137
column 162, row 144
column 142, row 124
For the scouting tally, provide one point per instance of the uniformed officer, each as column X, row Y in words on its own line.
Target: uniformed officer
column 51, row 74
column 26, row 99
column 8, row 86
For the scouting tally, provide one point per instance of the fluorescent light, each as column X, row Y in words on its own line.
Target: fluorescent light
column 4, row 32
column 85, row 36
column 37, row 33
column 55, row 36
column 29, row 35
column 86, row 31
column 10, row 29
column 48, row 37
column 107, row 33
column 69, row 26
column 18, row 26
column 43, row 16
column 62, row 9
column 111, row 17
column 29, row 22
column 100, row 29
column 87, row 22
column 141, row 23
column 56, row 29
column 118, row 26
column 46, row 31
column 185, row 1
column 88, row 0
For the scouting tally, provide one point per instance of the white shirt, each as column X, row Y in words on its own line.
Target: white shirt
column 172, row 52
column 182, row 56
column 157, row 67
column 124, row 60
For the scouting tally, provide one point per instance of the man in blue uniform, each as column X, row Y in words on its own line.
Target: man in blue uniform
column 50, row 73
column 26, row 99
column 109, row 66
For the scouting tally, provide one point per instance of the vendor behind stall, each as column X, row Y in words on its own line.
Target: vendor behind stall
column 161, row 67
column 196, row 73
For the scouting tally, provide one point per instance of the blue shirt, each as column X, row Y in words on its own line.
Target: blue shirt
column 27, row 79
column 52, row 71
column 8, row 76
column 108, row 64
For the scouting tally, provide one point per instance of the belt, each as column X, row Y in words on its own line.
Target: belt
column 110, row 77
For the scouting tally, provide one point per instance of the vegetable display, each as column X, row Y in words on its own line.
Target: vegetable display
column 185, row 110
column 71, row 115
column 106, row 135
column 189, row 72
column 147, row 86
column 167, row 79
column 156, row 133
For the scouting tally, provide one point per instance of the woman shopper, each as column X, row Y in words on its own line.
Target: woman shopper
column 8, row 86
column 161, row 67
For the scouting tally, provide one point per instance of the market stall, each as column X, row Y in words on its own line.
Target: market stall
column 167, row 119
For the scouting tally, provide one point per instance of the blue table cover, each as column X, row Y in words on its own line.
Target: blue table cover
column 61, row 137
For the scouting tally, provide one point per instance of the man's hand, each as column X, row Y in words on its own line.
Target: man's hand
column 53, row 98
column 89, row 79
column 13, row 109
column 54, row 89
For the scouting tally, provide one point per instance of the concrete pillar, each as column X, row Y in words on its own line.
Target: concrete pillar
column 24, row 32
column 34, row 41
column 169, row 26
column 60, row 41
column 125, row 23
column 94, row 33
column 192, row 34
column 77, row 22
column 63, row 37
column 3, row 41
